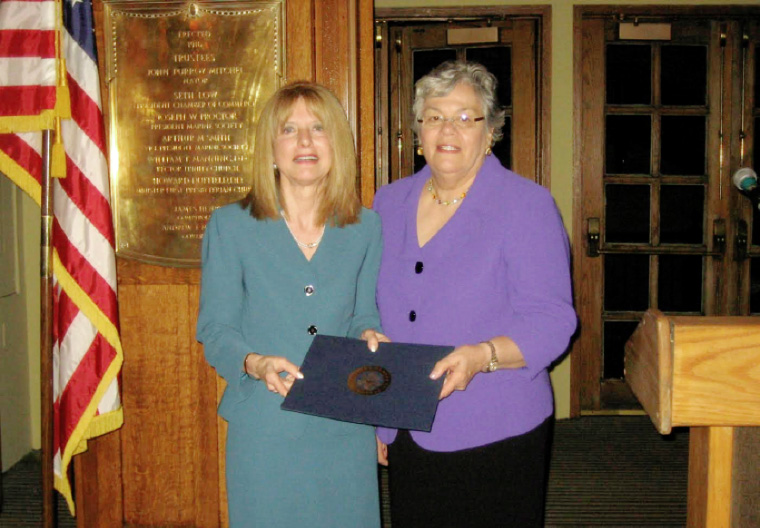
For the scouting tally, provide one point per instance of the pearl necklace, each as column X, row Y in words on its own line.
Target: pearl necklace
column 444, row 202
column 303, row 245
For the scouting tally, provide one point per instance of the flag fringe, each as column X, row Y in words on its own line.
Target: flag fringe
column 86, row 305
column 89, row 425
column 20, row 177
column 45, row 120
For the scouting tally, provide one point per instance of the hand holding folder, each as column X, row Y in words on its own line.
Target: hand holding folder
column 345, row 381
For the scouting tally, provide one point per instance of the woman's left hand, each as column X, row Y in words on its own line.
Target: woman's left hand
column 459, row 367
column 373, row 338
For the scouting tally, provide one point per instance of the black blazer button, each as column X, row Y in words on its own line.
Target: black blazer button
column 418, row 267
column 412, row 316
column 312, row 330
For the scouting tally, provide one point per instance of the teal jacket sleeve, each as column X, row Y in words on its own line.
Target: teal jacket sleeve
column 365, row 306
column 221, row 306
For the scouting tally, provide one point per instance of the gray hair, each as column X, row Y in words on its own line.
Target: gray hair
column 446, row 76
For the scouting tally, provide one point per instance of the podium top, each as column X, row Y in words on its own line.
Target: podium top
column 696, row 370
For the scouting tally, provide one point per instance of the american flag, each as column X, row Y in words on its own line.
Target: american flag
column 87, row 353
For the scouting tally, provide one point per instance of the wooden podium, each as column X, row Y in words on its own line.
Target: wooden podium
column 704, row 372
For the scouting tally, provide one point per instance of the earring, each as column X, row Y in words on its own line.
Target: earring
column 488, row 151
column 274, row 166
column 419, row 151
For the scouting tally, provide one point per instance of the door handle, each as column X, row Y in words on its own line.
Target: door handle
column 592, row 237
column 740, row 241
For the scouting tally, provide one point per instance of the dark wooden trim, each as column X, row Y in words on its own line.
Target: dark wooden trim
column 659, row 11
column 728, row 280
column 458, row 13
column 577, row 215
column 589, row 62
column 365, row 84
column 543, row 14
column 544, row 63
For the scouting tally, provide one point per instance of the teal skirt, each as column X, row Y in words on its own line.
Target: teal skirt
column 318, row 480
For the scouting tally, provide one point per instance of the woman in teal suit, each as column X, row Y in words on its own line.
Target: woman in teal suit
column 298, row 256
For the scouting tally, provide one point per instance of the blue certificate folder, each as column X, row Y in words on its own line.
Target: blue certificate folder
column 343, row 380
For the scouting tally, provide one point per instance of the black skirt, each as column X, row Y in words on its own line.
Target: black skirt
column 502, row 484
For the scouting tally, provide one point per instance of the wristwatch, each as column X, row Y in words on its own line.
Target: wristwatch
column 494, row 363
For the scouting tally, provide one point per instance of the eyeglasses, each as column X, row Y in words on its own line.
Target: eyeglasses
column 458, row 121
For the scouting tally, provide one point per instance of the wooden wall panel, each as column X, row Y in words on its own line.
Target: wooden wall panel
column 524, row 104
column 299, row 34
column 169, row 450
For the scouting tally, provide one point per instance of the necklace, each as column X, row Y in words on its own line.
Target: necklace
column 444, row 202
column 304, row 245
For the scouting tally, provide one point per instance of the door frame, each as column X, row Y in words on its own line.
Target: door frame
column 583, row 271
column 543, row 104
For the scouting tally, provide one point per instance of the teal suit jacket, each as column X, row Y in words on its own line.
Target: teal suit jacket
column 254, row 298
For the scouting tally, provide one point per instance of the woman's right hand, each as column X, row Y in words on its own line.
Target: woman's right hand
column 382, row 452
column 268, row 370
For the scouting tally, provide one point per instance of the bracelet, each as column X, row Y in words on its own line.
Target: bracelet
column 494, row 363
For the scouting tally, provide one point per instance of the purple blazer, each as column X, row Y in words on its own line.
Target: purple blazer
column 500, row 266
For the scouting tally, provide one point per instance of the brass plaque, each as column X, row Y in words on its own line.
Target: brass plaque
column 186, row 82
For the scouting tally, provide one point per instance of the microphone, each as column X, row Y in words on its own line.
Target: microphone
column 745, row 179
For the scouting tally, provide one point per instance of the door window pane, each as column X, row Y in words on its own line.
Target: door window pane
column 627, row 213
column 626, row 282
column 754, row 286
column 684, row 75
column 681, row 214
column 683, row 145
column 616, row 333
column 497, row 60
column 628, row 144
column 503, row 149
column 680, row 284
column 426, row 60
column 757, row 87
column 423, row 61
column 756, row 156
column 629, row 70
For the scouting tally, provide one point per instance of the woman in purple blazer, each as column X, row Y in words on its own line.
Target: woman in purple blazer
column 476, row 257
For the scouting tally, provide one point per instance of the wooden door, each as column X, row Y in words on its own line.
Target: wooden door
column 665, row 103
column 165, row 466
column 509, row 43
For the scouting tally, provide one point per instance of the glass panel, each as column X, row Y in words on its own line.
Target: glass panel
column 683, row 145
column 498, row 60
column 754, row 286
column 426, row 60
column 684, row 75
column 680, row 285
column 503, row 149
column 616, row 333
column 629, row 73
column 626, row 282
column 756, row 164
column 628, row 144
column 681, row 214
column 757, row 83
column 627, row 213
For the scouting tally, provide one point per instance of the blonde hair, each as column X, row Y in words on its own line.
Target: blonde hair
column 339, row 204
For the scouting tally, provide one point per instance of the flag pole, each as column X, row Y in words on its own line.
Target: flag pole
column 46, row 336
